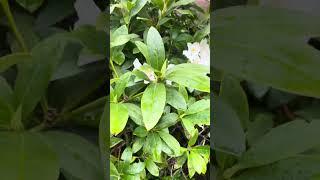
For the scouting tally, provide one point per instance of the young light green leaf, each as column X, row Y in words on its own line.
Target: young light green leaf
column 198, row 106
column 155, row 48
column 193, row 138
column 135, row 168
column 152, row 104
column 190, row 75
column 118, row 118
column 197, row 162
column 200, row 118
column 121, row 84
column 170, row 141
column 175, row 99
column 152, row 167
column 127, row 154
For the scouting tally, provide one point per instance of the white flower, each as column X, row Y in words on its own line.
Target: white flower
column 170, row 66
column 198, row 53
column 151, row 76
column 136, row 64
column 146, row 82
column 204, row 53
column 168, row 82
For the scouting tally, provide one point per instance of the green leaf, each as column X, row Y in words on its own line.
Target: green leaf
column 139, row 4
column 153, row 145
column 143, row 48
column 140, row 132
column 6, row 104
column 229, row 135
column 204, row 151
column 114, row 172
column 92, row 39
column 127, row 155
column 170, row 141
column 233, row 94
column 193, row 138
column 135, row 168
column 152, row 167
column 261, row 125
column 12, row 59
column 115, row 141
column 135, row 113
column 30, row 5
column 275, row 41
column 190, row 75
column 49, row 15
column 46, row 56
column 152, row 104
column 200, row 118
column 26, row 156
column 104, row 143
column 197, row 162
column 198, row 106
column 78, row 157
column 280, row 143
column 175, row 99
column 299, row 168
column 137, row 145
column 118, row 118
column 167, row 120
column 155, row 48
column 121, row 84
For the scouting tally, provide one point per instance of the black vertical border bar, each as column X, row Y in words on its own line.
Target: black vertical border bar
column 107, row 130
column 212, row 114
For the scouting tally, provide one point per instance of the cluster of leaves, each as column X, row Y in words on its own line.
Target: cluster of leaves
column 266, row 111
column 157, row 129
column 51, row 76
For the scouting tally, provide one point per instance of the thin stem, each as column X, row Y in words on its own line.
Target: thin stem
column 12, row 23
column 113, row 69
column 99, row 102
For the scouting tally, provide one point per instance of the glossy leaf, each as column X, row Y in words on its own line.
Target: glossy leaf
column 135, row 113
column 152, row 167
column 155, row 48
column 190, row 75
column 152, row 104
column 170, row 141
column 118, row 118
column 175, row 99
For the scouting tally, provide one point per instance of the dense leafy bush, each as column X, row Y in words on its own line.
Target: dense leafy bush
column 52, row 72
column 266, row 112
column 159, row 99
